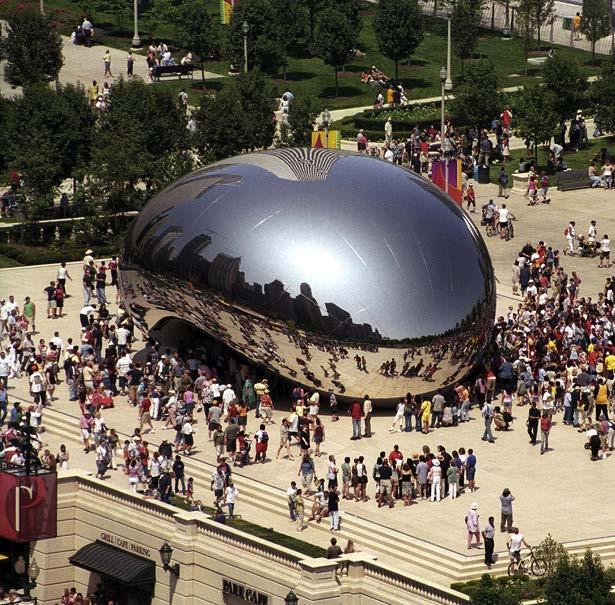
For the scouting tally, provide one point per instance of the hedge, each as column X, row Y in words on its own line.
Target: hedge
column 42, row 255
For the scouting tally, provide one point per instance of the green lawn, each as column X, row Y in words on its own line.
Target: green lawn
column 309, row 75
column 577, row 160
column 6, row 262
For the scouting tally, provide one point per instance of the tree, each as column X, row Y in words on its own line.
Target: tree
column 399, row 29
column 478, row 100
column 194, row 29
column 535, row 118
column 566, row 83
column 465, row 28
column 596, row 21
column 239, row 118
column 303, row 114
column 531, row 16
column 337, row 33
column 267, row 39
column 602, row 93
column 142, row 130
column 578, row 582
column 55, row 142
column 32, row 49
column 488, row 592
column 313, row 7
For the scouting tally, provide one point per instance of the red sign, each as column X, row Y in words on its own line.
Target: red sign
column 28, row 506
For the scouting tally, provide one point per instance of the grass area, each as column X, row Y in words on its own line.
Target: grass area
column 6, row 262
column 308, row 75
column 578, row 160
column 264, row 533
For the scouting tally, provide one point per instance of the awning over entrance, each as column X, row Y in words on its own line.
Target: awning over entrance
column 118, row 564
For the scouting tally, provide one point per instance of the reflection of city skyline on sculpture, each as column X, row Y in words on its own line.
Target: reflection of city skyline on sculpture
column 246, row 249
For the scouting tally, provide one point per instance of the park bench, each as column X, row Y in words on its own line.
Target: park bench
column 573, row 179
column 171, row 70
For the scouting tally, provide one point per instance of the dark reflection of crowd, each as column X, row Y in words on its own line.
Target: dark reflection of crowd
column 440, row 362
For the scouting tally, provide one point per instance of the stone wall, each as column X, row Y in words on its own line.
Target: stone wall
column 208, row 554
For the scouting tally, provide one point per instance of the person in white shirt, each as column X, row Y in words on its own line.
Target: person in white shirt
column 122, row 366
column 231, row 495
column 5, row 369
column 399, row 418
column 123, row 335
column 605, row 252
column 591, row 232
column 503, row 219
column 514, row 544
column 571, row 235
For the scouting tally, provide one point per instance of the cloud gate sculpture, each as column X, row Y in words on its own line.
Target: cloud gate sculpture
column 334, row 270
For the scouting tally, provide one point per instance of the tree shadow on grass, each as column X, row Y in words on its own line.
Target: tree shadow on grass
column 207, row 86
column 344, row 91
column 296, row 76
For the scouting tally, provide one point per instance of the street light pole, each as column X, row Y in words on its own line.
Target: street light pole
column 245, row 28
column 448, row 85
column 443, row 78
column 136, row 41
column 42, row 7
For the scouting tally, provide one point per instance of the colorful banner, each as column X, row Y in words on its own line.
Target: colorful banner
column 455, row 182
column 226, row 10
column 321, row 139
column 28, row 508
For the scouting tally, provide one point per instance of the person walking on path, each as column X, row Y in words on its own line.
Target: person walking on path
column 472, row 526
column 470, row 465
column 545, row 429
column 488, row 413
column 532, row 423
column 107, row 62
column 334, row 508
column 367, row 416
column 488, row 537
column 506, row 516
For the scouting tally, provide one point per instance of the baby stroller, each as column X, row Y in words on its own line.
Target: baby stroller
column 242, row 457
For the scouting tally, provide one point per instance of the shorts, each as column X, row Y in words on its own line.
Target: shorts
column 52, row 304
column 231, row 446
column 470, row 472
column 604, row 255
column 85, row 433
column 503, row 225
column 385, row 486
column 514, row 555
column 189, row 439
column 218, row 493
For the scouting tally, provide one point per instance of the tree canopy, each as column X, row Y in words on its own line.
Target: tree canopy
column 566, row 85
column 465, row 28
column 477, row 100
column 399, row 29
column 602, row 93
column 596, row 21
column 32, row 49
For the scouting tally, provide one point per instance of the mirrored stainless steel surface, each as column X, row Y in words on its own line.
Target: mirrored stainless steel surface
column 333, row 269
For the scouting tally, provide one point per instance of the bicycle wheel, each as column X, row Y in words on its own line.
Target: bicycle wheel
column 539, row 567
column 511, row 570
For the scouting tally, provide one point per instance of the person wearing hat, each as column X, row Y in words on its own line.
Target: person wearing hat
column 88, row 258
column 472, row 526
column 435, row 477
column 266, row 407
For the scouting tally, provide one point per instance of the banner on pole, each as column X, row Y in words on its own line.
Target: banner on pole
column 331, row 140
column 226, row 10
column 455, row 181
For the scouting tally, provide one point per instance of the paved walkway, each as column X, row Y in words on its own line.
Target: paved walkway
column 83, row 65
column 541, row 483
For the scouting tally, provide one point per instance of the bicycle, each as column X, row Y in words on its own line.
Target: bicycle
column 509, row 231
column 529, row 565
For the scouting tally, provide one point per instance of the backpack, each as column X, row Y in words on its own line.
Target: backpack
column 545, row 424
column 566, row 231
column 264, row 437
column 544, row 181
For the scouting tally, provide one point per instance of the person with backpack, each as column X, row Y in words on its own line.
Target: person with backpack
column 503, row 183
column 262, row 441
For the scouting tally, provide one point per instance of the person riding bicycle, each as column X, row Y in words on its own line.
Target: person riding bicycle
column 503, row 219
column 514, row 545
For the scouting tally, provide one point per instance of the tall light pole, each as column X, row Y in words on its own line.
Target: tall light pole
column 448, row 85
column 326, row 118
column 245, row 28
column 42, row 7
column 443, row 146
column 136, row 41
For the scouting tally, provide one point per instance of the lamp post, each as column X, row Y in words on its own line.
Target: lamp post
column 291, row 598
column 136, row 41
column 443, row 146
column 448, row 85
column 166, row 552
column 326, row 118
column 32, row 571
column 245, row 28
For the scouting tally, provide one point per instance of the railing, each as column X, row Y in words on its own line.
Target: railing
column 423, row 589
column 494, row 17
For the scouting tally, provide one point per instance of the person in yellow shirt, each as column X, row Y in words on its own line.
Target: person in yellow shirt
column 601, row 396
column 609, row 361
column 93, row 93
column 576, row 26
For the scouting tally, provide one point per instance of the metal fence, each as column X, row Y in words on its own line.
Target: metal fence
column 559, row 31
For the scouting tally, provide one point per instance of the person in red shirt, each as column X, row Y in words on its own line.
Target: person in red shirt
column 144, row 414
column 395, row 454
column 356, row 413
column 471, row 198
column 506, row 117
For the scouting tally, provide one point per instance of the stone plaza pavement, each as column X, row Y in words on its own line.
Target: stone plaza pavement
column 83, row 65
column 555, row 493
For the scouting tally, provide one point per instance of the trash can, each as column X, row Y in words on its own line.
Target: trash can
column 483, row 175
